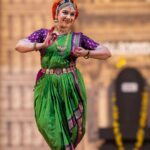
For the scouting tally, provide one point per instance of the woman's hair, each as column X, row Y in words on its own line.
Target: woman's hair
column 58, row 3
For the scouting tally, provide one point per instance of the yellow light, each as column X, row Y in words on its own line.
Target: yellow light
column 121, row 63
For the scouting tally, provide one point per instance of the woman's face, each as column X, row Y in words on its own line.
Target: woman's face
column 66, row 17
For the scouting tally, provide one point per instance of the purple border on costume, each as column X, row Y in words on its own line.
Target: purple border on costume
column 77, row 84
column 72, row 56
column 69, row 147
column 39, row 75
column 79, row 137
column 76, row 116
column 72, row 41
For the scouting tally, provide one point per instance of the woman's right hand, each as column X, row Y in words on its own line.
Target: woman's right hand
column 50, row 38
column 27, row 46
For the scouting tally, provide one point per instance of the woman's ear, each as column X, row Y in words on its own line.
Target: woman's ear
column 56, row 19
column 56, row 16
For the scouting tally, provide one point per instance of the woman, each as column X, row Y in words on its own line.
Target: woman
column 59, row 94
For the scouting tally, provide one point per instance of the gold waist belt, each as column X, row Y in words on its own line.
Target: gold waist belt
column 58, row 71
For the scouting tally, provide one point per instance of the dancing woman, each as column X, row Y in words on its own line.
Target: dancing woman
column 60, row 101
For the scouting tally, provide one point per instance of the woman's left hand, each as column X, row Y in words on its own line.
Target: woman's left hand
column 101, row 52
column 80, row 52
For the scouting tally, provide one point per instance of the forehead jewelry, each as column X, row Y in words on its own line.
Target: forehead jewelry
column 63, row 4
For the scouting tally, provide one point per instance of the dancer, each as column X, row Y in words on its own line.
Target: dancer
column 60, row 101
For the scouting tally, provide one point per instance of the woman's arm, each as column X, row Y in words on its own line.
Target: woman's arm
column 25, row 45
column 101, row 52
column 34, row 43
column 91, row 49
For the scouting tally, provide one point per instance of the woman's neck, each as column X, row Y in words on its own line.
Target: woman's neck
column 62, row 30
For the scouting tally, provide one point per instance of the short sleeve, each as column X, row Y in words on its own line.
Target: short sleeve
column 88, row 43
column 38, row 35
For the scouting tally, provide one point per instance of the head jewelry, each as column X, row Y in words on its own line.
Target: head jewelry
column 59, row 4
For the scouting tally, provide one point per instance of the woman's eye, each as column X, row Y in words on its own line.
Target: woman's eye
column 65, row 12
column 72, row 14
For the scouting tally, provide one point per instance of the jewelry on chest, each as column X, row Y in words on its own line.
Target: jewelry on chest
column 62, row 48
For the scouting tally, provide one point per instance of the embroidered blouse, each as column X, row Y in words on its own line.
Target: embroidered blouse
column 85, row 42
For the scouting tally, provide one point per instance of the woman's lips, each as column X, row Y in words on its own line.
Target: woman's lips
column 67, row 21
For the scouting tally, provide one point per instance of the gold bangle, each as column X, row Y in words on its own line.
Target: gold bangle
column 34, row 46
column 87, row 55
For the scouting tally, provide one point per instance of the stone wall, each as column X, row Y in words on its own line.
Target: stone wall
column 103, row 20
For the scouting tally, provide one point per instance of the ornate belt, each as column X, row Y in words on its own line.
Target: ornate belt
column 58, row 71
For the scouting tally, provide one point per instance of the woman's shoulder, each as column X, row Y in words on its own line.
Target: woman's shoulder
column 86, row 42
column 81, row 34
column 43, row 31
column 77, row 33
column 38, row 36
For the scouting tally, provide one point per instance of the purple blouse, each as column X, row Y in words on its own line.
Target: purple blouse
column 85, row 42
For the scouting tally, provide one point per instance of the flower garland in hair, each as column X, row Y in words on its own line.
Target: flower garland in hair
column 142, row 123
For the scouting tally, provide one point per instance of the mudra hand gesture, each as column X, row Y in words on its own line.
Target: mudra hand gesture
column 80, row 52
column 50, row 38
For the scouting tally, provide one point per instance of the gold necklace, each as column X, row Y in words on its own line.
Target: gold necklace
column 142, row 124
column 62, row 48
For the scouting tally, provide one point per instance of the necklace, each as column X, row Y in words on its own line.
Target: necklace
column 142, row 124
column 62, row 48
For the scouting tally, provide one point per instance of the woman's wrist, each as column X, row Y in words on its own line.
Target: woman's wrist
column 35, row 46
column 38, row 46
column 87, row 54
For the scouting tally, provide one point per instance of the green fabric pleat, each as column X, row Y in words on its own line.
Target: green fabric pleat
column 56, row 97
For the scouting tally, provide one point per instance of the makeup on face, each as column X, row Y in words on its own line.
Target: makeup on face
column 66, row 18
column 67, row 13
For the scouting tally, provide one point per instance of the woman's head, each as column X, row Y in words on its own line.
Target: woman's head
column 59, row 4
column 65, row 11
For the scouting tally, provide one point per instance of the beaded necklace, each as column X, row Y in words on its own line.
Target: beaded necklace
column 62, row 48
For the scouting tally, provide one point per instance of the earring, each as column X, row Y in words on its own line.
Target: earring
column 56, row 21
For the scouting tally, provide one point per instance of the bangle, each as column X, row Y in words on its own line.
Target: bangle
column 87, row 55
column 34, row 46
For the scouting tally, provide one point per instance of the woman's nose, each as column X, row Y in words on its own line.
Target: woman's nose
column 68, row 16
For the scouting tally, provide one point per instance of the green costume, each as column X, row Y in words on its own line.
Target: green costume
column 60, row 101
